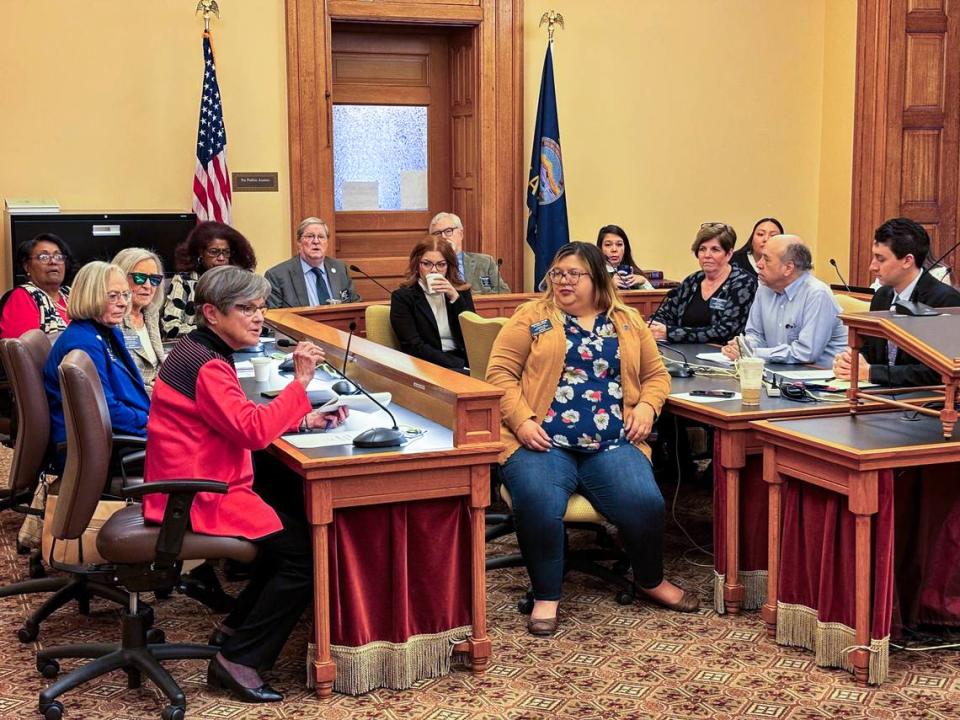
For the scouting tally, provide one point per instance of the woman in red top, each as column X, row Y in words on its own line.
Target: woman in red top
column 41, row 302
column 202, row 425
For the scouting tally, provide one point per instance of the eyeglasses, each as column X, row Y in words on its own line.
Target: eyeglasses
column 446, row 232
column 441, row 266
column 217, row 252
column 251, row 310
column 114, row 297
column 311, row 238
column 142, row 278
column 712, row 224
column 570, row 276
column 48, row 258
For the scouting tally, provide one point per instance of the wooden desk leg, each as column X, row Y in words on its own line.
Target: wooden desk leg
column 775, row 490
column 324, row 668
column 732, row 460
column 948, row 416
column 480, row 647
column 861, row 657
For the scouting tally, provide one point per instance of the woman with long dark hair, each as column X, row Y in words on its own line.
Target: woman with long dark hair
column 615, row 246
column 748, row 255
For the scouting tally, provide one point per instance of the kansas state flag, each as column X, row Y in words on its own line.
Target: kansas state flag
column 547, row 228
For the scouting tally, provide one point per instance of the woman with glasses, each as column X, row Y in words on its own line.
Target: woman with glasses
column 209, row 245
column 747, row 257
column 203, row 425
column 712, row 305
column 583, row 383
column 141, row 324
column 98, row 301
column 425, row 309
column 40, row 302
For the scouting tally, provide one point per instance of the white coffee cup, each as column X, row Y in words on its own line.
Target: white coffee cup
column 430, row 279
column 262, row 367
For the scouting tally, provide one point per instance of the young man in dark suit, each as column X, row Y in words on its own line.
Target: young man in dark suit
column 899, row 247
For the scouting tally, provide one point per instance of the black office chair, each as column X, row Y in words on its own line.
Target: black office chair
column 140, row 557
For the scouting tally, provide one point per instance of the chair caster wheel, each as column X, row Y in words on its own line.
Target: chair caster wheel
column 156, row 636
column 22, row 549
column 28, row 632
column 148, row 616
column 53, row 711
column 625, row 597
column 173, row 712
column 48, row 668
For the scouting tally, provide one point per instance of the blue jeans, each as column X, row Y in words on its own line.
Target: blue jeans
column 618, row 483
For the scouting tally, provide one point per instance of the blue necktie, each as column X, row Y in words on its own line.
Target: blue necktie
column 891, row 348
column 322, row 295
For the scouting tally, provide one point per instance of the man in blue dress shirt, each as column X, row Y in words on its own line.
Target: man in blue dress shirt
column 794, row 316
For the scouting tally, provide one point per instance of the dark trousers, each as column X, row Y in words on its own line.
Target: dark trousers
column 279, row 590
column 618, row 483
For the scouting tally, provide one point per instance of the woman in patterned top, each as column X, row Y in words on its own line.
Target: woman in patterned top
column 41, row 302
column 209, row 245
column 583, row 385
column 712, row 305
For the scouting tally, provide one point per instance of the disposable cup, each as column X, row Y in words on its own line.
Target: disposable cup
column 430, row 279
column 750, row 371
column 261, row 368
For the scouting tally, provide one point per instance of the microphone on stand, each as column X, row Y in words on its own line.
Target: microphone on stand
column 383, row 287
column 944, row 256
column 660, row 305
column 499, row 276
column 345, row 387
column 374, row 437
column 837, row 268
column 684, row 371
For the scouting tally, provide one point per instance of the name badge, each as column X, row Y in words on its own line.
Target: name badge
column 132, row 341
column 345, row 295
column 485, row 282
column 718, row 303
column 538, row 328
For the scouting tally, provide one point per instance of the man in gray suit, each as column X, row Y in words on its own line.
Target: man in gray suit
column 479, row 270
column 310, row 278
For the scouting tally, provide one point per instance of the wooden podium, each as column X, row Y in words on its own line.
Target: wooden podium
column 933, row 340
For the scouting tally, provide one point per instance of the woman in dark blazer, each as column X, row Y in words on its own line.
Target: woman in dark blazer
column 425, row 309
column 98, row 302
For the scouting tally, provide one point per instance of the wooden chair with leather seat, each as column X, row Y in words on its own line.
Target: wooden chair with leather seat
column 479, row 334
column 379, row 329
column 25, row 357
column 139, row 557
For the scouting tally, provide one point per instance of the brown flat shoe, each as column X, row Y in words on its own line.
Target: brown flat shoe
column 544, row 627
column 688, row 602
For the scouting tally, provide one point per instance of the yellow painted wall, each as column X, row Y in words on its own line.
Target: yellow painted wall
column 672, row 112
column 99, row 103
column 676, row 113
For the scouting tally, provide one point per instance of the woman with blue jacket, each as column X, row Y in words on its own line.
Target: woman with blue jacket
column 98, row 302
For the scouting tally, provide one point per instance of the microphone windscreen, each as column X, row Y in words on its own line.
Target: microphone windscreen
column 353, row 326
column 355, row 269
column 286, row 342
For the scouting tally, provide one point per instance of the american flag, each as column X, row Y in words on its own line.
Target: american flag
column 211, row 181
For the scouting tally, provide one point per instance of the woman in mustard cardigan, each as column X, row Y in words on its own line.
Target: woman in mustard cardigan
column 583, row 385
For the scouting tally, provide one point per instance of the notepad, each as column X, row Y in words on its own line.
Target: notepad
column 716, row 357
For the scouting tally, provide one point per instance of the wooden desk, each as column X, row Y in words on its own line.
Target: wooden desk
column 457, row 464
column 844, row 454
column 340, row 316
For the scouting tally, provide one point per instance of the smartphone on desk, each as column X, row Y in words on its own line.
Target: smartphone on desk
column 713, row 393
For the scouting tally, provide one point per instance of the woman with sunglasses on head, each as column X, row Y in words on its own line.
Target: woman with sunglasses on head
column 747, row 257
column 583, row 384
column 615, row 246
column 712, row 305
column 425, row 309
column 209, row 245
column 40, row 302
column 141, row 324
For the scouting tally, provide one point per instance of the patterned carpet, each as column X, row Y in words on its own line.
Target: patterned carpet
column 607, row 661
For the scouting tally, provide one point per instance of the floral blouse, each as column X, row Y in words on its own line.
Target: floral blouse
column 587, row 410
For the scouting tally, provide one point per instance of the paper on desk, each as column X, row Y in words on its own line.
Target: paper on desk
column 804, row 374
column 355, row 424
column 244, row 369
column 703, row 398
column 716, row 357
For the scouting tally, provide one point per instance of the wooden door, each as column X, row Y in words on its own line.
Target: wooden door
column 387, row 68
column 907, row 123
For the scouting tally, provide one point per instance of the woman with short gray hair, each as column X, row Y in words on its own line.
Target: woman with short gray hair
column 203, row 425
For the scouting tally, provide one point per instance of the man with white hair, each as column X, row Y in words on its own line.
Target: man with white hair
column 794, row 316
column 481, row 271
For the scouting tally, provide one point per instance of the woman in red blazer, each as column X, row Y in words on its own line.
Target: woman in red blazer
column 202, row 425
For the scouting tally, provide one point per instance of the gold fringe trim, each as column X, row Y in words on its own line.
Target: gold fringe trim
column 754, row 590
column 798, row 625
column 383, row 664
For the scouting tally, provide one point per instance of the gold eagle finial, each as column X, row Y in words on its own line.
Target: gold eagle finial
column 208, row 8
column 552, row 18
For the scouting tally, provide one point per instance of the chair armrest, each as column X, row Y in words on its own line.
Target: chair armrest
column 131, row 458
column 129, row 441
column 176, row 518
column 176, row 487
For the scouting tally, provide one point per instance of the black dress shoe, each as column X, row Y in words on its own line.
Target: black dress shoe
column 202, row 584
column 218, row 677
